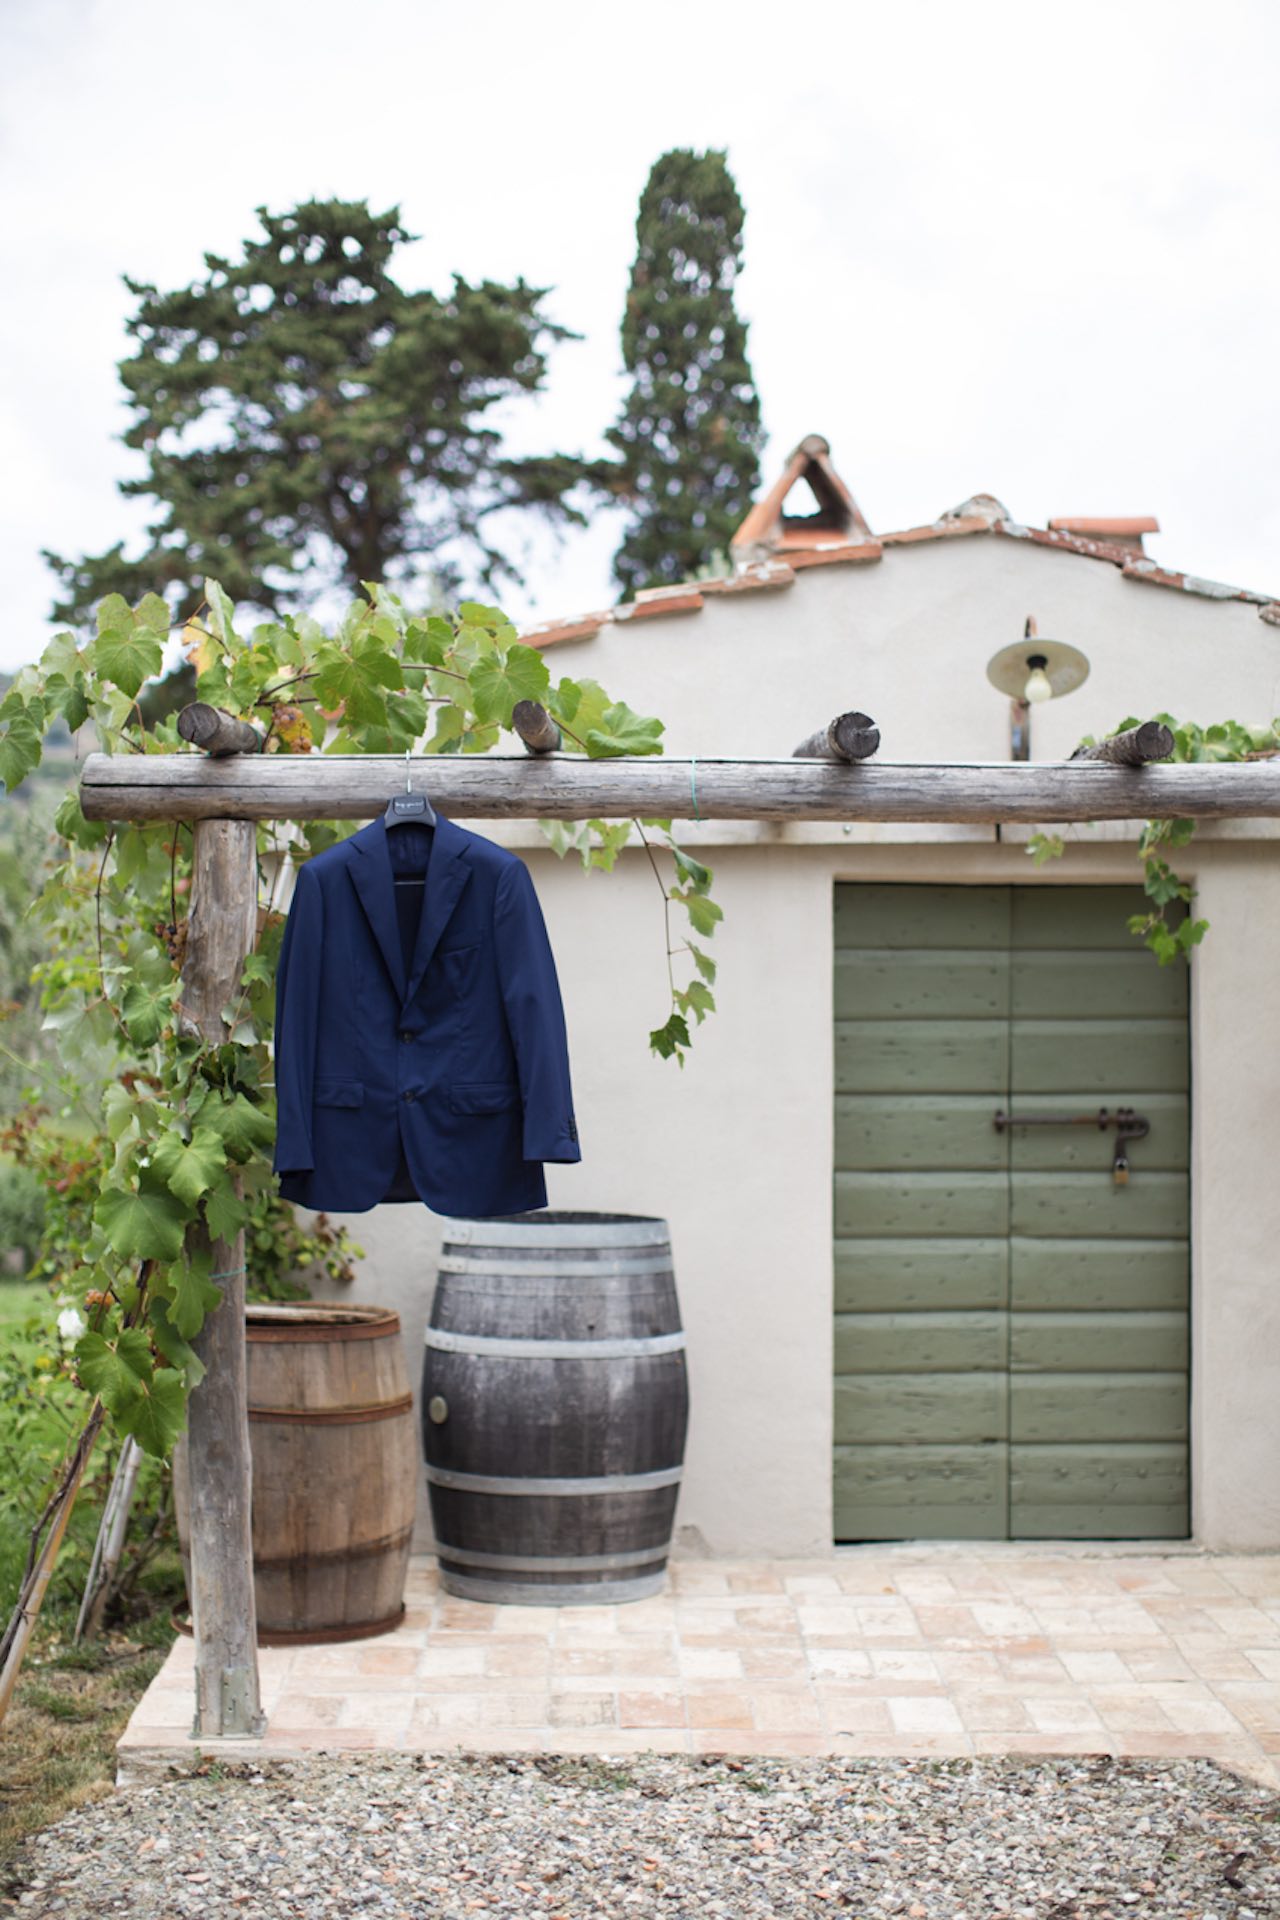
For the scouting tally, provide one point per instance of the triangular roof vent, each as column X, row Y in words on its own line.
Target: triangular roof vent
column 835, row 521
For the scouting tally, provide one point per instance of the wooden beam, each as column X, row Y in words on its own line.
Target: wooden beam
column 312, row 786
column 216, row 730
column 850, row 736
column 220, row 933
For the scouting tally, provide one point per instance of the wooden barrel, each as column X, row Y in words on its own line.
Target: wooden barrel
column 554, row 1406
column 334, row 1453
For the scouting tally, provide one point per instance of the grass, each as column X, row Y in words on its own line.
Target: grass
column 23, row 1300
column 57, row 1744
column 71, row 1705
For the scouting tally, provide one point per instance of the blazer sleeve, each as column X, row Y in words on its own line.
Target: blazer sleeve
column 535, row 1018
column 297, row 1019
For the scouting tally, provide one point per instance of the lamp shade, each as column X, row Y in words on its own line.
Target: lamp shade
column 1066, row 668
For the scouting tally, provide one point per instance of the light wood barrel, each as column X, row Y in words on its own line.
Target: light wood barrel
column 334, row 1453
column 554, row 1406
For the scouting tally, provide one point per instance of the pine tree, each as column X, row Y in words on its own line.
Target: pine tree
column 689, row 435
column 307, row 422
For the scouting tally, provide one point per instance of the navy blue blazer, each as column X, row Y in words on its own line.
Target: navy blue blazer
column 425, row 1061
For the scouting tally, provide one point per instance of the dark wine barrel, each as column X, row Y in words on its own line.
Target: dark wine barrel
column 334, row 1454
column 554, row 1406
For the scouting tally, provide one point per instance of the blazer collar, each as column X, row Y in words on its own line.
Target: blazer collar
column 448, row 871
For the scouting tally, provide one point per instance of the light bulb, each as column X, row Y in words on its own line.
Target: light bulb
column 1037, row 687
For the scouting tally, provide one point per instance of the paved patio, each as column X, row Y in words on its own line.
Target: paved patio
column 944, row 1649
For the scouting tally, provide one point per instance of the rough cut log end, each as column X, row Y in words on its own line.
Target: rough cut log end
column 535, row 726
column 849, row 737
column 217, row 731
column 1137, row 747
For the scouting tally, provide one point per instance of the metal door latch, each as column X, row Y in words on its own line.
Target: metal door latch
column 1128, row 1125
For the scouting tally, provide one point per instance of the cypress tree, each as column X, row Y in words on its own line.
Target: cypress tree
column 689, row 435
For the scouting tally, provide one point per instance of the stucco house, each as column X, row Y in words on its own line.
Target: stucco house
column 904, row 1319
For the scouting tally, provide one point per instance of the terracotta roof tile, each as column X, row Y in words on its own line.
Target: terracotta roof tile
column 584, row 627
column 945, row 529
column 838, row 553
column 1122, row 529
column 653, row 600
column 1143, row 569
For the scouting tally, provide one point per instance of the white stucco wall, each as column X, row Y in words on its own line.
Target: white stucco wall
column 735, row 1150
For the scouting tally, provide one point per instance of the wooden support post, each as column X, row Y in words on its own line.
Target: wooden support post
column 850, row 736
column 223, row 1613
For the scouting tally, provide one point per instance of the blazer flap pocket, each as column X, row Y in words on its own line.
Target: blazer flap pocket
column 484, row 1096
column 339, row 1093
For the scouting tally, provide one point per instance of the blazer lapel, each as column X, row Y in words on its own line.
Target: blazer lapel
column 447, row 874
column 373, row 880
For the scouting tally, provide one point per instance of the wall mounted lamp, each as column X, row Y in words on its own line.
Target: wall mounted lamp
column 1030, row 671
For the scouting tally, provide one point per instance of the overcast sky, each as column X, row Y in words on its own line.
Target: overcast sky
column 1012, row 248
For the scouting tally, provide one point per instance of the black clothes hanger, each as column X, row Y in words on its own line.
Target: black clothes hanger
column 409, row 805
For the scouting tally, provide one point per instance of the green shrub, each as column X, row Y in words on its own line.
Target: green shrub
column 21, row 1213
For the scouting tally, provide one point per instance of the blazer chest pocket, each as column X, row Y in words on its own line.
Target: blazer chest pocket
column 484, row 1096
column 339, row 1093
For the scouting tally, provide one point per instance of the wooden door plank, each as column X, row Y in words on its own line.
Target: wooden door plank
column 1100, row 985
column 1112, row 1406
column 955, row 1408
column 934, row 1275
column 907, row 914
column 1092, row 1272
column 885, row 983
column 920, row 1492
column 1093, row 1205
column 909, row 1056
column 1058, row 917
column 1089, row 1491
column 918, row 1130
column 1098, row 1342
column 1114, row 1061
column 935, row 1343
column 921, row 1203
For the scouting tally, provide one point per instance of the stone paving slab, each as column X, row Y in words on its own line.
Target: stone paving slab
column 947, row 1648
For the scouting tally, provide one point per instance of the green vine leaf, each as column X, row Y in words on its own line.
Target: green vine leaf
column 703, row 913
column 190, row 1167
column 243, row 1128
column 702, row 961
column 21, row 745
column 146, row 1225
column 130, row 647
column 621, row 730
column 503, row 677
column 157, row 1413
column 671, row 1039
column 168, row 1341
column 224, row 1210
column 114, row 1369
column 192, row 1296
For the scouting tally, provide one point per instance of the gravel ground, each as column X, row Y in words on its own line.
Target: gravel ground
column 410, row 1836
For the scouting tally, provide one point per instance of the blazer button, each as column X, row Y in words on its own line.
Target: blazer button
column 406, row 1033
column 411, row 1095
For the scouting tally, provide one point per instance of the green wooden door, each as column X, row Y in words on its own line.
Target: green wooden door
column 1011, row 1324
